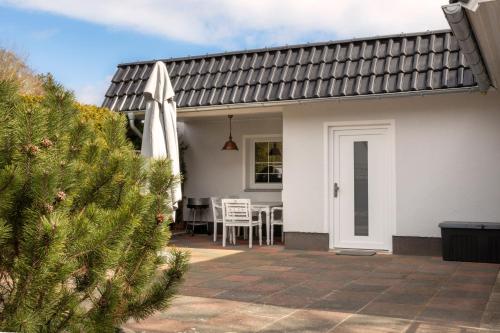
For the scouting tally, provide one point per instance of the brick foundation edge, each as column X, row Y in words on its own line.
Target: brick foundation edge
column 416, row 246
column 307, row 241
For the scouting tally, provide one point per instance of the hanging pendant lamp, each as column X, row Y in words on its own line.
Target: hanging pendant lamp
column 230, row 144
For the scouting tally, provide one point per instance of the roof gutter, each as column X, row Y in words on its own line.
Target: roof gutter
column 459, row 24
column 186, row 111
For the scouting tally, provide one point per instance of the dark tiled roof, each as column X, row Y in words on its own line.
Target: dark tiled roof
column 399, row 63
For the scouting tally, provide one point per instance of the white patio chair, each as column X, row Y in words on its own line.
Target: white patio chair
column 217, row 214
column 237, row 231
column 238, row 213
column 276, row 219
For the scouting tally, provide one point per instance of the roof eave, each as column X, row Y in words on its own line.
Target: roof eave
column 461, row 28
column 183, row 110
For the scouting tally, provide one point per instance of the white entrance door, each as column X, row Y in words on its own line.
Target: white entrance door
column 361, row 188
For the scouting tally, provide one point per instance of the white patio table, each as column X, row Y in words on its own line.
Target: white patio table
column 265, row 206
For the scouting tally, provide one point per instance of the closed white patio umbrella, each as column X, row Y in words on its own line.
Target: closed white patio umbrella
column 159, row 137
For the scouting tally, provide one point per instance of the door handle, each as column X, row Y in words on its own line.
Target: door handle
column 336, row 189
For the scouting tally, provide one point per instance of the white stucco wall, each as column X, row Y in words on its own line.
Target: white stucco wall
column 447, row 159
column 213, row 172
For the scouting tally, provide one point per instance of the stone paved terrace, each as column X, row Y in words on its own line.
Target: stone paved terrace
column 269, row 289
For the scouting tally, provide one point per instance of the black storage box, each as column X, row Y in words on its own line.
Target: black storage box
column 471, row 241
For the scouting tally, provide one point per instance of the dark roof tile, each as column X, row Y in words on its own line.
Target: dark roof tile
column 399, row 63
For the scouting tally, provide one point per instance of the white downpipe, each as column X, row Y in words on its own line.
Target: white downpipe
column 131, row 118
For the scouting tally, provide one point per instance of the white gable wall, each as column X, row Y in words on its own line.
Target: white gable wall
column 447, row 159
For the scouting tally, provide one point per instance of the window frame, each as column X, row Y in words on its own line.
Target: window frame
column 249, row 162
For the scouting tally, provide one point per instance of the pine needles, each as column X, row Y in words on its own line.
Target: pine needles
column 79, row 237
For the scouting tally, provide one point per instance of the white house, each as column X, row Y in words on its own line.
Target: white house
column 378, row 139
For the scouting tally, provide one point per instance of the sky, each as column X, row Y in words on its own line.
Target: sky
column 81, row 42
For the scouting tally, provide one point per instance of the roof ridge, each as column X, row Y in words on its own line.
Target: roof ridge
column 286, row 47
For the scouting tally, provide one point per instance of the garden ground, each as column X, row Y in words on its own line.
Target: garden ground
column 270, row 289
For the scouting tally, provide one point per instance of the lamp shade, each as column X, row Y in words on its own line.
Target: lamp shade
column 230, row 144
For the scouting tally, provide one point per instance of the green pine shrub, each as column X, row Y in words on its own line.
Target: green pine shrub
column 93, row 115
column 82, row 220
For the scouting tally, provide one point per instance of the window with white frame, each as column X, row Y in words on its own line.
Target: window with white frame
column 264, row 162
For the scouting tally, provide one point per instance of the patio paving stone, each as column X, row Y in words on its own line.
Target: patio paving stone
column 419, row 327
column 446, row 315
column 190, row 281
column 482, row 287
column 242, row 278
column 368, row 280
column 310, row 289
column 240, row 322
column 260, row 272
column 404, row 298
column 493, row 306
column 241, row 295
column 346, row 276
column 478, row 267
column 326, row 286
column 274, row 268
column 494, row 301
column 415, row 286
column 306, row 321
column 398, row 267
column 211, row 275
column 459, row 303
column 269, row 289
column 375, row 324
column 423, row 276
column 465, row 291
column 196, row 309
column 266, row 310
column 159, row 325
column 268, row 285
column 360, row 286
column 299, row 276
column 222, row 284
column 285, row 299
column 378, row 308
column 469, row 278
column 491, row 319
column 344, row 301
column 199, row 291
column 387, row 275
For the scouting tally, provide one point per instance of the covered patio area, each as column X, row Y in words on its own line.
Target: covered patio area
column 250, row 168
column 270, row 289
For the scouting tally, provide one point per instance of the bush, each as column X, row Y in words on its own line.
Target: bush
column 14, row 68
column 82, row 222
column 93, row 115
